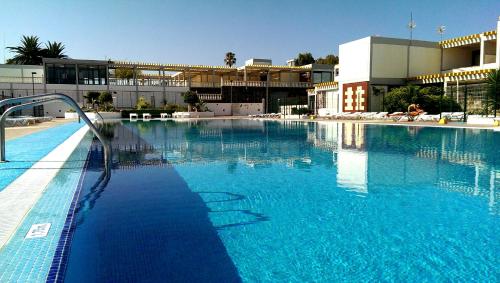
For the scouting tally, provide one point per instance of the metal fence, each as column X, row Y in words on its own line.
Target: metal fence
column 472, row 98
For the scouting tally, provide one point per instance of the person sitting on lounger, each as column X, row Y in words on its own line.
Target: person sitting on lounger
column 414, row 110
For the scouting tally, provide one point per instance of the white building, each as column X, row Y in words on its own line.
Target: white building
column 370, row 66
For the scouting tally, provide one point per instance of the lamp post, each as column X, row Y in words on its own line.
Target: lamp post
column 33, row 81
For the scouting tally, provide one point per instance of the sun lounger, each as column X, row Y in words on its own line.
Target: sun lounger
column 165, row 115
column 352, row 116
column 341, row 115
column 457, row 116
column 367, row 115
column 146, row 116
column 446, row 115
column 133, row 116
column 428, row 117
column 380, row 116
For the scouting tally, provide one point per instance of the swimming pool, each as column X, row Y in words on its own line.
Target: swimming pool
column 255, row 201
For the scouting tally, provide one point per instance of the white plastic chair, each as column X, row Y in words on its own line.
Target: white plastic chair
column 133, row 117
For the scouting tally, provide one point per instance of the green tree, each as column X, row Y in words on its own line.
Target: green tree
column 230, row 59
column 493, row 91
column 105, row 100
column 29, row 52
column 304, row 59
column 54, row 50
column 191, row 98
column 398, row 99
column 126, row 73
column 92, row 98
column 330, row 59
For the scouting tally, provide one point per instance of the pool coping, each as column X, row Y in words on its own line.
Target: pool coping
column 60, row 258
column 322, row 120
column 20, row 196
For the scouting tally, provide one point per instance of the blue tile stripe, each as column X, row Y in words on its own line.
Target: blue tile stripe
column 59, row 262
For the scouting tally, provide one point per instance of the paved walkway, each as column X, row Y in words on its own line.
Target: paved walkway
column 16, row 132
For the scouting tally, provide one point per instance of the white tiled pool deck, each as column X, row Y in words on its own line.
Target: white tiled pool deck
column 42, row 194
column 19, row 197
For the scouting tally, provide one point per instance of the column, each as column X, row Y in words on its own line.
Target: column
column 498, row 44
column 481, row 51
column 77, row 83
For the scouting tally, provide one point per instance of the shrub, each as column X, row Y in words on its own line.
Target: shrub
column 92, row 97
column 429, row 98
column 171, row 108
column 142, row 103
column 191, row 98
column 105, row 101
column 398, row 99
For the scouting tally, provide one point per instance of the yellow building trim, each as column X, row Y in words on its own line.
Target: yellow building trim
column 157, row 66
column 278, row 67
column 327, row 84
column 452, row 74
column 463, row 39
column 491, row 32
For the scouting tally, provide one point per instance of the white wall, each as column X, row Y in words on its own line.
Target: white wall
column 354, row 61
column 490, row 51
column 390, row 61
column 20, row 73
column 332, row 100
column 456, row 57
column 424, row 60
column 125, row 96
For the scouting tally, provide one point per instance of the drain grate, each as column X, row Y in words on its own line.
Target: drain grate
column 38, row 231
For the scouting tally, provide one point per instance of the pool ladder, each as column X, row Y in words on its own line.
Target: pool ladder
column 39, row 99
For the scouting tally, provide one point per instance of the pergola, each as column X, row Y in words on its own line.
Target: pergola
column 205, row 72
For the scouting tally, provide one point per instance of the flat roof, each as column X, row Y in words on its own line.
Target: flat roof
column 74, row 61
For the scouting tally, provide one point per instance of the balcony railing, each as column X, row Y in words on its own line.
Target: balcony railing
column 210, row 96
column 264, row 84
column 148, row 82
column 170, row 82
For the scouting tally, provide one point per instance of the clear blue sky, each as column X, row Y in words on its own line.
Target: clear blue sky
column 201, row 31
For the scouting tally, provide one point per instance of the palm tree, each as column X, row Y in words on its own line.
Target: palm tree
column 230, row 59
column 54, row 50
column 493, row 92
column 28, row 53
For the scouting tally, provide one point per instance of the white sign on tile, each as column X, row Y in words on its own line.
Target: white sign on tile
column 38, row 230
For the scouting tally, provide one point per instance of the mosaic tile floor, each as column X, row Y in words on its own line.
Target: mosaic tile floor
column 29, row 260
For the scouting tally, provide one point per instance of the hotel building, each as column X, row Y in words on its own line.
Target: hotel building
column 371, row 66
column 256, row 87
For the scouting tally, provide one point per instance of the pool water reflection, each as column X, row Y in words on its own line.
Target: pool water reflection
column 242, row 200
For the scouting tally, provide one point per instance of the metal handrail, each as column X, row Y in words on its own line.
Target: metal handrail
column 36, row 97
column 15, row 100
column 50, row 98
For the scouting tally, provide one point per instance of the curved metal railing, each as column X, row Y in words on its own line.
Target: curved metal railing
column 45, row 98
column 14, row 100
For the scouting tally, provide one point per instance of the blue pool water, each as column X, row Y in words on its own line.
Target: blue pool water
column 254, row 201
column 25, row 151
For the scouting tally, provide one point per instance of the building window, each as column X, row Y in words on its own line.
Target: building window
column 319, row 77
column 60, row 73
column 92, row 75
